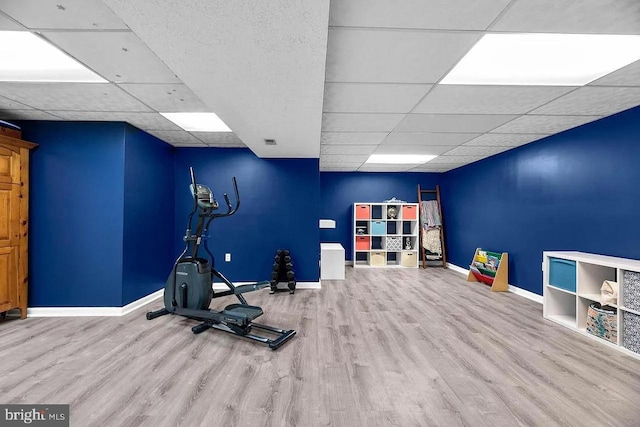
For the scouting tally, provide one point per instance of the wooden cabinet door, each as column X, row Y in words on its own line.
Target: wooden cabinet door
column 8, row 278
column 9, row 215
column 9, row 165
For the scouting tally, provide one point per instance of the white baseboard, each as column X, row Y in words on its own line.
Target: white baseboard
column 514, row 289
column 300, row 285
column 121, row 311
column 93, row 311
column 73, row 311
column 142, row 301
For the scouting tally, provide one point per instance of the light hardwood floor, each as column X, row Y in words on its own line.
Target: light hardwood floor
column 383, row 348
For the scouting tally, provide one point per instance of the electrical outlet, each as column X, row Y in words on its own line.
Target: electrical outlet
column 227, row 257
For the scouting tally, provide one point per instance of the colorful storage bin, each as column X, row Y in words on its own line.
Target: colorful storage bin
column 631, row 290
column 562, row 274
column 363, row 212
column 409, row 212
column 631, row 331
column 409, row 259
column 363, row 243
column 378, row 258
column 394, row 244
column 378, row 228
column 602, row 321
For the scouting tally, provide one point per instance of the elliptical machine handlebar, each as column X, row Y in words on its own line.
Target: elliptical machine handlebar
column 230, row 208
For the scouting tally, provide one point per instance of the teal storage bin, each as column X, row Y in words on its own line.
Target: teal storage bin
column 562, row 274
column 378, row 228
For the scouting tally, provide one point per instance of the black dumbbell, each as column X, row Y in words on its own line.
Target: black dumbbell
column 287, row 258
column 288, row 266
column 274, row 275
column 291, row 274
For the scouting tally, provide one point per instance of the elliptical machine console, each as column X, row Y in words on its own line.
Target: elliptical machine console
column 189, row 292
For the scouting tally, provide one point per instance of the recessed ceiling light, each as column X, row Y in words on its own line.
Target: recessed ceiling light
column 29, row 58
column 400, row 158
column 198, row 122
column 544, row 59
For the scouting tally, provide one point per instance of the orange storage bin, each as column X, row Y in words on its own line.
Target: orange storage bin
column 362, row 243
column 363, row 212
column 409, row 212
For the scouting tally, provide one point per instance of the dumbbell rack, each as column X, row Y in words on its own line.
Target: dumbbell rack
column 283, row 272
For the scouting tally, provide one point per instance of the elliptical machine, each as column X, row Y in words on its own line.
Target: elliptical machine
column 188, row 291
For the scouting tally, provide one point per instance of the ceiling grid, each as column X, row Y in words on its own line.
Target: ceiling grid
column 337, row 80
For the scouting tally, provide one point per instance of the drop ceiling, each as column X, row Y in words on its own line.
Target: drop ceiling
column 338, row 80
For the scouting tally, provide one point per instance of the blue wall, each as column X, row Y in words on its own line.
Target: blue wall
column 577, row 190
column 340, row 190
column 148, row 253
column 280, row 204
column 76, row 206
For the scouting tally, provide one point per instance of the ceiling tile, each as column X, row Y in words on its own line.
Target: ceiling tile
column 372, row 97
column 466, row 150
column 456, row 159
column 360, row 122
column 362, row 138
column 72, row 96
column 572, row 17
column 593, row 100
column 338, row 168
column 198, row 144
column 625, row 76
column 504, row 139
column 176, row 137
column 436, row 168
column 8, row 104
column 543, row 124
column 339, row 159
column 26, row 115
column 116, row 56
column 144, row 121
column 166, row 98
column 219, row 139
column 434, row 14
column 7, row 24
column 385, row 168
column 412, row 149
column 347, row 149
column 476, row 99
column 326, row 163
column 67, row 14
column 451, row 123
column 426, row 138
column 393, row 56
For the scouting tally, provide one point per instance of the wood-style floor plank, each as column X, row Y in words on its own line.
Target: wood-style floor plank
column 382, row 348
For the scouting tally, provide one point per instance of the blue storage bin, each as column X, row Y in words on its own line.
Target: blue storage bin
column 562, row 274
column 378, row 228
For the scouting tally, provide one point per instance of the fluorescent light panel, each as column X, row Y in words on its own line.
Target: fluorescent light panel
column 544, row 59
column 400, row 159
column 198, row 122
column 29, row 58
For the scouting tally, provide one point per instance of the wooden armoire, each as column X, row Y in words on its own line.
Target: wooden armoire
column 14, row 220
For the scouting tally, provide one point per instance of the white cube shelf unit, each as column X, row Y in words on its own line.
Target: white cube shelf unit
column 572, row 281
column 385, row 235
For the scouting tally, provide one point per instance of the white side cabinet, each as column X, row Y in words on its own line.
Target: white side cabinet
column 572, row 281
column 331, row 261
